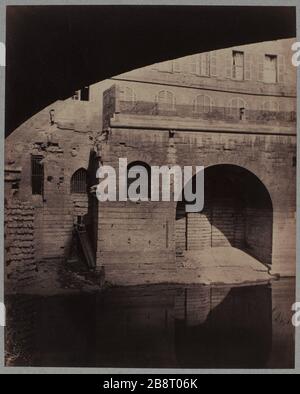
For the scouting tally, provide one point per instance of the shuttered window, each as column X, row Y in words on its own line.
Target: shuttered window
column 248, row 66
column 270, row 69
column 204, row 65
column 281, row 68
column 213, row 64
column 194, row 65
column 177, row 68
column 238, row 65
column 37, row 175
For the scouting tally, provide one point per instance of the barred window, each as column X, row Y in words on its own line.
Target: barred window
column 79, row 182
column 37, row 175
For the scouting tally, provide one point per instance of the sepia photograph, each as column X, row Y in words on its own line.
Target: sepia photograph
column 150, row 160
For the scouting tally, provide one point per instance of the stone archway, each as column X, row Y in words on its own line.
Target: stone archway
column 238, row 213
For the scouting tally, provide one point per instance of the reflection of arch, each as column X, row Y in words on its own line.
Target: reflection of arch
column 79, row 182
column 166, row 101
column 238, row 212
column 224, row 328
column 203, row 104
column 139, row 168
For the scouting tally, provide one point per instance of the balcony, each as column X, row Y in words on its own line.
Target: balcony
column 146, row 115
column 208, row 114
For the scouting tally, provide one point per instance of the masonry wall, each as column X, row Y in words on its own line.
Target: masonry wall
column 20, row 263
column 137, row 241
column 65, row 147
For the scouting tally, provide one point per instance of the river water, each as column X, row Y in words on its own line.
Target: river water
column 159, row 326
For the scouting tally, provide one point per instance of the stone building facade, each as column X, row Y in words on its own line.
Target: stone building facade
column 232, row 111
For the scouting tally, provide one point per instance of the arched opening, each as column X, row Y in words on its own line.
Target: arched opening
column 238, row 213
column 135, row 171
column 79, row 182
column 127, row 98
column 165, row 102
column 203, row 104
column 238, row 108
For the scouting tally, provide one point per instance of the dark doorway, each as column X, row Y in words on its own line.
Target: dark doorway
column 238, row 213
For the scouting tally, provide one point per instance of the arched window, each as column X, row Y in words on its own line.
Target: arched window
column 128, row 97
column 271, row 106
column 79, row 182
column 203, row 104
column 238, row 108
column 166, row 101
column 138, row 170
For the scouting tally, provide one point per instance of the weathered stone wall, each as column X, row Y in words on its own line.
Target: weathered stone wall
column 20, row 263
column 140, row 238
column 64, row 151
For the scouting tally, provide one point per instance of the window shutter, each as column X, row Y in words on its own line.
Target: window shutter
column 194, row 65
column 281, row 68
column 229, row 66
column 208, row 104
column 204, row 64
column 213, row 64
column 248, row 65
column 261, row 68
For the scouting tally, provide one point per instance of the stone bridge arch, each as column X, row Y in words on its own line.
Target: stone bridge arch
column 238, row 213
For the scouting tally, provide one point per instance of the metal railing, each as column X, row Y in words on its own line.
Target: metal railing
column 225, row 114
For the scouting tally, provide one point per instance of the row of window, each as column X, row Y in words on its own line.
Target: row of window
column 78, row 180
column 271, row 68
column 166, row 101
column 239, row 66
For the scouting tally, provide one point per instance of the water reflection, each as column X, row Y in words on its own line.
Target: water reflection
column 158, row 327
